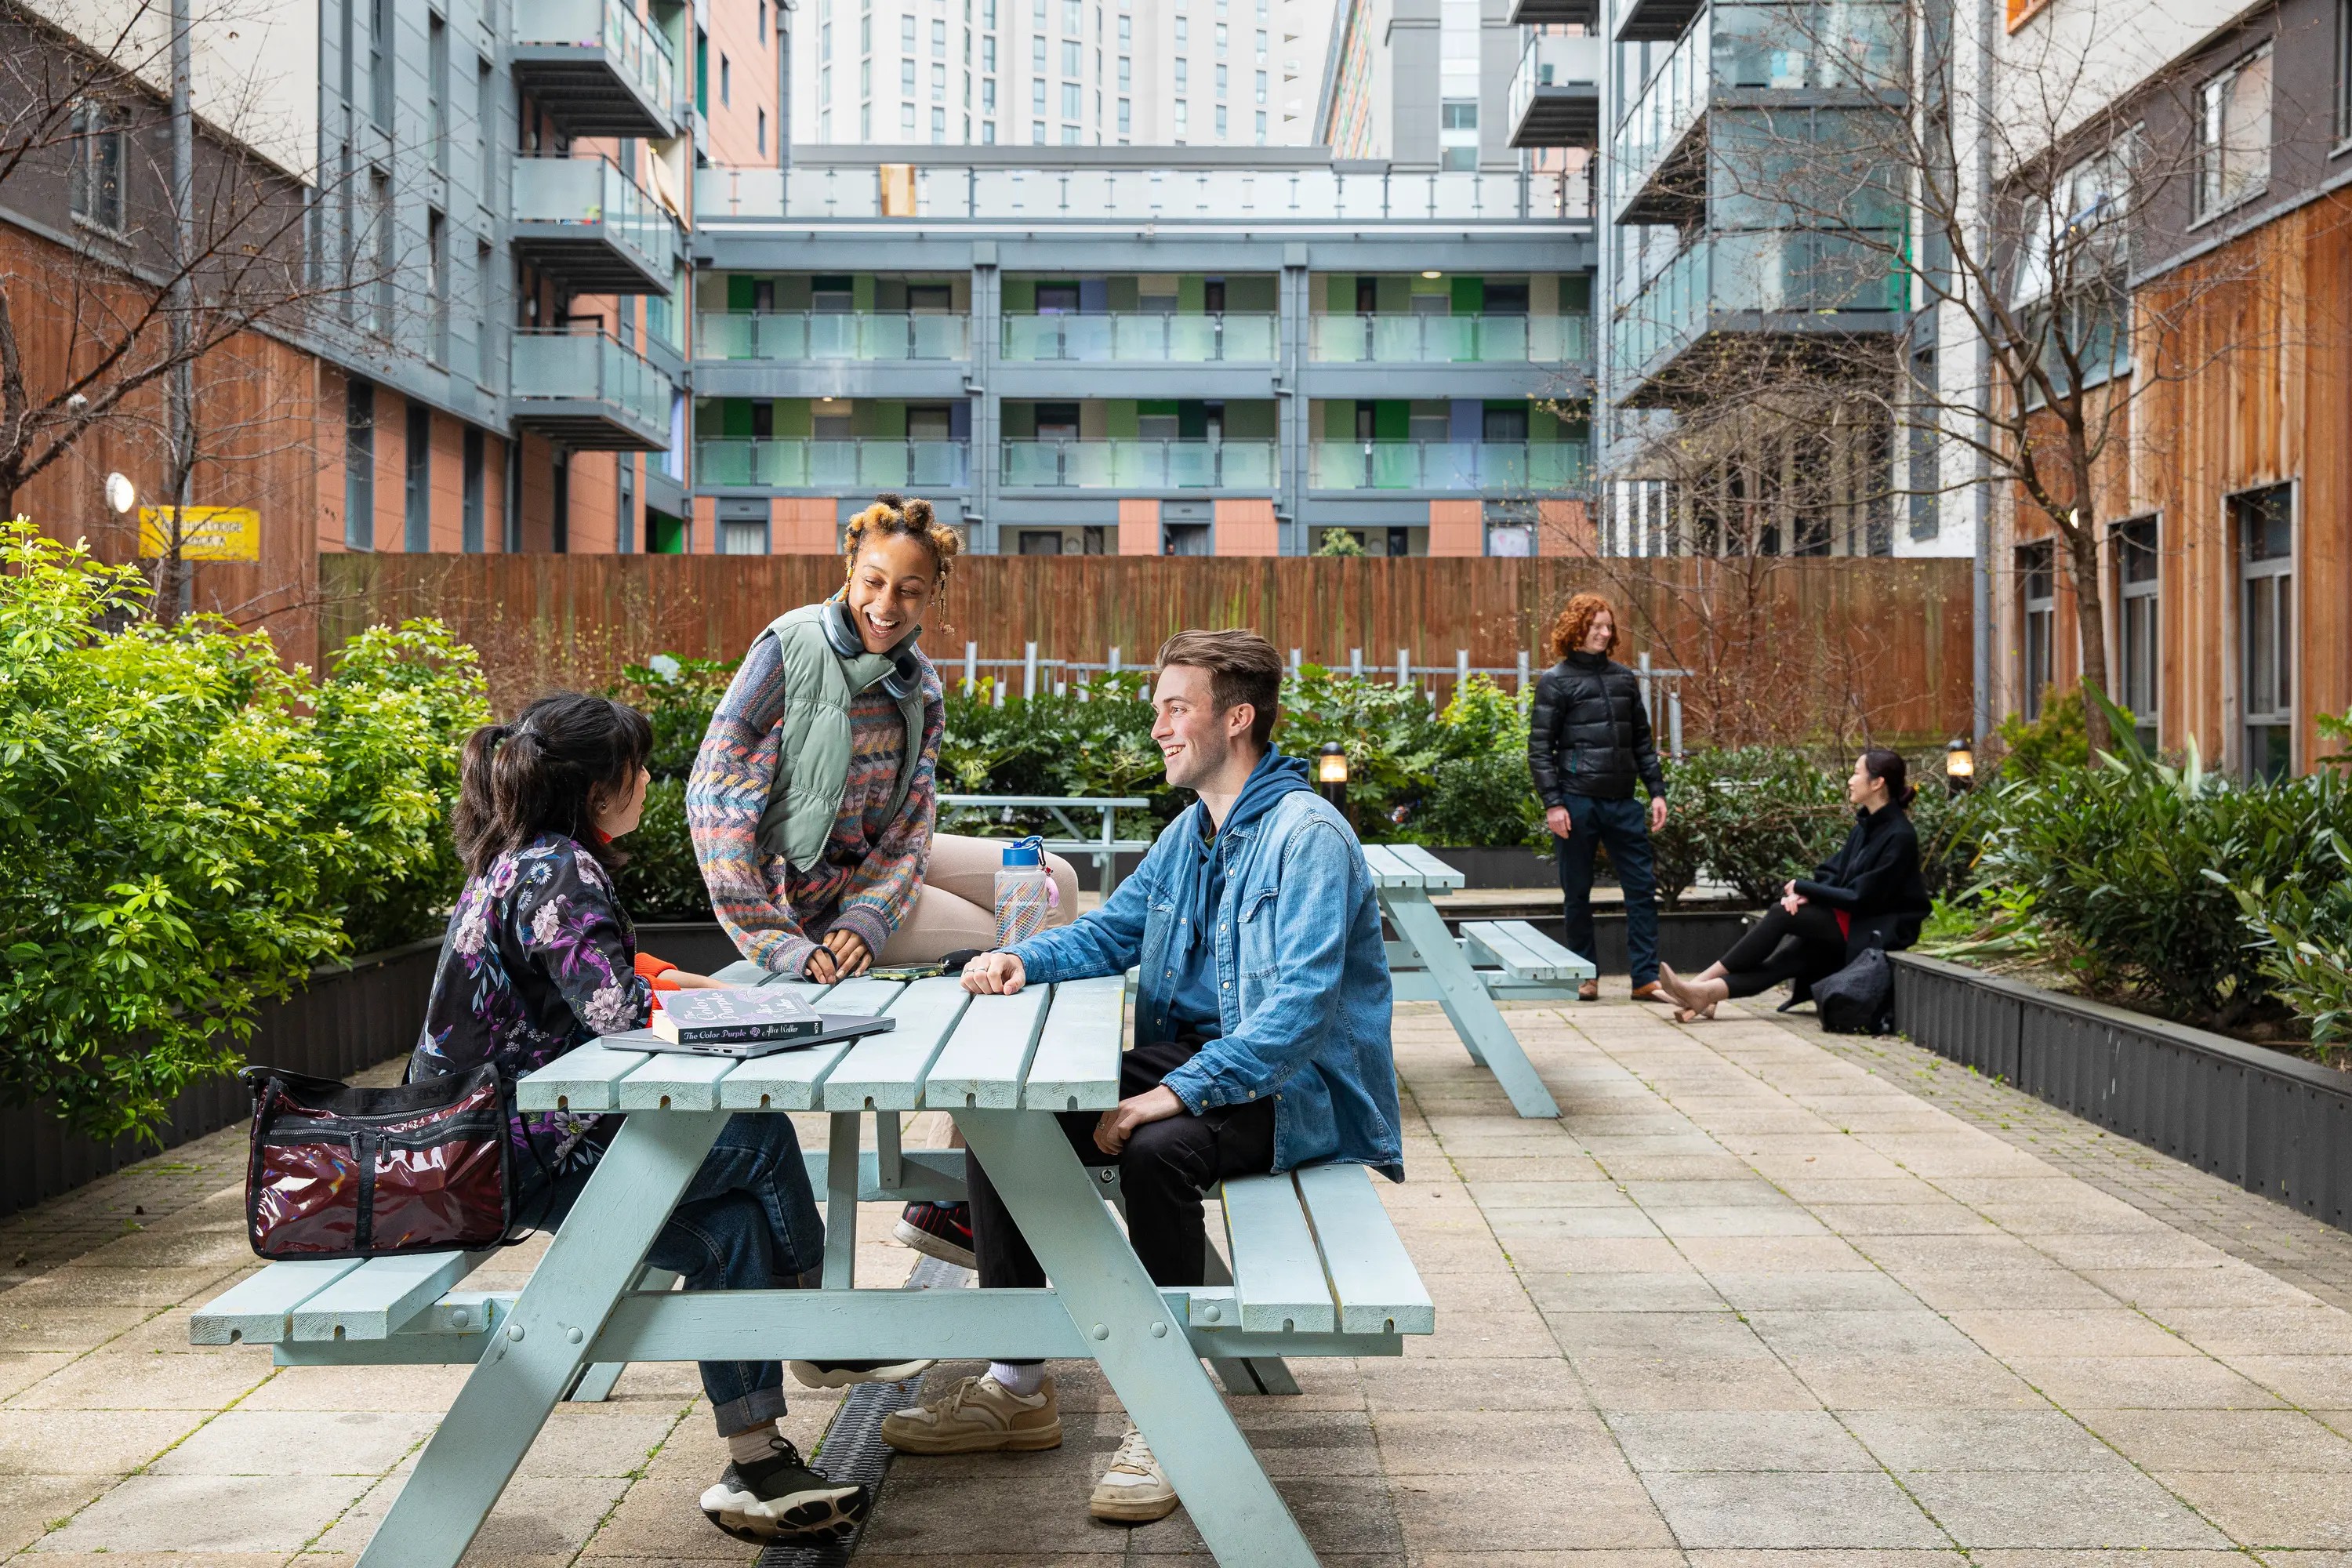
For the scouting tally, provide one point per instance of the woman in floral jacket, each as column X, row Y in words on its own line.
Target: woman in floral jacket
column 539, row 957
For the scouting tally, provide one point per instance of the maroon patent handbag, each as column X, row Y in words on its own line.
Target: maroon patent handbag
column 340, row 1171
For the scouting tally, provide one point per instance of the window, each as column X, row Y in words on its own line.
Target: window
column 1221, row 38
column 1457, row 159
column 825, row 88
column 740, row 537
column 416, row 499
column 1260, row 127
column 988, row 54
column 907, row 119
column 988, row 132
column 485, row 348
column 762, row 25
column 2137, row 651
column 939, row 84
column 101, row 131
column 905, row 79
column 1073, row 17
column 1036, row 134
column 1126, row 114
column 1072, row 104
column 2265, row 525
column 1180, row 116
column 380, row 225
column 938, row 40
column 907, row 34
column 379, row 45
column 1037, row 96
column 1183, row 72
column 762, row 131
column 938, row 126
column 988, row 96
column 1261, row 87
column 1221, row 81
column 1073, row 61
column 2233, row 134
column 1221, row 120
column 436, row 283
column 470, row 516
column 1038, row 53
column 865, row 123
column 2038, row 591
column 1125, row 73
column 436, row 88
column 1261, row 47
column 726, row 81
column 866, row 34
column 1182, row 28
column 1459, row 114
column 359, row 467
column 485, row 146
column 1126, row 32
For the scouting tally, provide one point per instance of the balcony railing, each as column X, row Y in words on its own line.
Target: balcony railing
column 587, row 388
column 1140, row 464
column 800, row 335
column 623, row 79
column 1450, row 340
column 1850, row 45
column 1165, row 195
column 1772, row 280
column 1143, row 337
column 1511, row 467
column 1559, row 78
column 586, row 219
column 804, row 464
column 1663, row 110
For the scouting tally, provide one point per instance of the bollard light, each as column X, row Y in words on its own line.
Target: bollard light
column 1331, row 773
column 1960, row 767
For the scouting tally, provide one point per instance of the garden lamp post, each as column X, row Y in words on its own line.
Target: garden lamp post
column 1960, row 767
column 1331, row 773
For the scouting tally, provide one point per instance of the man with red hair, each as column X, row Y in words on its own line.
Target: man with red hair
column 1588, row 743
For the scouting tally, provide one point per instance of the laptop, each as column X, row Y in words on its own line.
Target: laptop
column 837, row 1026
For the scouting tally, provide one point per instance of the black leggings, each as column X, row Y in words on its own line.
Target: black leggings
column 1783, row 946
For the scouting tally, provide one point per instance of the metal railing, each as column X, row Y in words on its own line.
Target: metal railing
column 1141, row 463
column 1664, row 107
column 553, row 364
column 1148, row 336
column 1553, row 59
column 1480, row 466
column 1813, row 273
column 831, row 335
column 1450, row 340
column 593, row 193
column 1219, row 196
column 642, row 54
column 865, row 463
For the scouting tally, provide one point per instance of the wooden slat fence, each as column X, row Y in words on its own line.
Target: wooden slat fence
column 1777, row 648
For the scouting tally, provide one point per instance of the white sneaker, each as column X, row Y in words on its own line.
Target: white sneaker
column 1134, row 1490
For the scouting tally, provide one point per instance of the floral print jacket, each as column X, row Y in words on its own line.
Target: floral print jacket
column 539, row 957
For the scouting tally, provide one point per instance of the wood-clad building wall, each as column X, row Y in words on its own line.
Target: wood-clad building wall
column 1780, row 647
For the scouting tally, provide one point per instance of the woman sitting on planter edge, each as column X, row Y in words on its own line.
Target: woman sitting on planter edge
column 1869, row 894
column 541, row 958
column 814, row 793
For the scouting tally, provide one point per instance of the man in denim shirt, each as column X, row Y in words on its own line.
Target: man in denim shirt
column 1262, row 1028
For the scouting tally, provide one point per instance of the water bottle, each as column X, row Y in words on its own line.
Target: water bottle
column 1025, row 891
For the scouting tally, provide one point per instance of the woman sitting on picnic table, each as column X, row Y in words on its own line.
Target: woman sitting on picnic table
column 541, row 958
column 813, row 797
column 1869, row 894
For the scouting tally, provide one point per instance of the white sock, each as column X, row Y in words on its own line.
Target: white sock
column 1024, row 1379
column 756, row 1443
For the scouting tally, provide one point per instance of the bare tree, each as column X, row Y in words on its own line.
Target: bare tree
column 1925, row 253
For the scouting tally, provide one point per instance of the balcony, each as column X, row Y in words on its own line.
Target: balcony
column 585, row 390
column 584, row 221
column 1793, row 294
column 869, row 463
column 1143, row 338
column 1655, row 131
column 1655, row 21
column 811, row 335
column 1479, row 467
column 596, row 67
column 1556, row 96
column 1139, row 465
column 1449, row 339
column 1584, row 14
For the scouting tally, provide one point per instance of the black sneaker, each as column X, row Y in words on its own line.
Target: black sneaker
column 780, row 1497
column 938, row 1230
column 842, row 1374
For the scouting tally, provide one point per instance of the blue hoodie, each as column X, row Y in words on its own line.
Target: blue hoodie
column 1197, row 884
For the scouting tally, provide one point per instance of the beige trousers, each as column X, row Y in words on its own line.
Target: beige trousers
column 956, row 906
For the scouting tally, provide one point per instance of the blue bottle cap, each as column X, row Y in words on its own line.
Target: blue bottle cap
column 1029, row 851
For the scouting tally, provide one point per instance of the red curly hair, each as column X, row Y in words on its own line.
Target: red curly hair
column 1568, row 632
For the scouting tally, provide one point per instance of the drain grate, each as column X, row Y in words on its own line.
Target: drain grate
column 853, row 1449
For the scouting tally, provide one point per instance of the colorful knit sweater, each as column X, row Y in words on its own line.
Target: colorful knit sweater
column 872, row 866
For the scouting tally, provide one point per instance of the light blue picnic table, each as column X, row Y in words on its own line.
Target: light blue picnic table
column 1317, row 1268
column 1104, row 848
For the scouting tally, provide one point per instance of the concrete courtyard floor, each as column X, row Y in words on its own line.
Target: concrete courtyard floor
column 1758, row 1297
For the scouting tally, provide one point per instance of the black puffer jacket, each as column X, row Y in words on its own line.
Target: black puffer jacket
column 1589, row 734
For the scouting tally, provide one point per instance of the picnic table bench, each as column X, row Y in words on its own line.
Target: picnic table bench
column 1466, row 975
column 1316, row 1268
column 1104, row 848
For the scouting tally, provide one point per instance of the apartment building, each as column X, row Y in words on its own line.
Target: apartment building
column 1141, row 351
column 1065, row 73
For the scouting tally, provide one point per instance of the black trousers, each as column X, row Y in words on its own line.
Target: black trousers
column 1783, row 946
column 1163, row 1171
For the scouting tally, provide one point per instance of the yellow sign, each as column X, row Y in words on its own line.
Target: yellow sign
column 207, row 534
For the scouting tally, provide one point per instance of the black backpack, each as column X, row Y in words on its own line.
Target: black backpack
column 1860, row 998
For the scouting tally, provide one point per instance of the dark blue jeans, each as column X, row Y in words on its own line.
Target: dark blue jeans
column 748, row 1221
column 1625, row 826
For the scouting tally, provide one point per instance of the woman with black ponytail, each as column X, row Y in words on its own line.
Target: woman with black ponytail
column 539, row 958
column 1869, row 894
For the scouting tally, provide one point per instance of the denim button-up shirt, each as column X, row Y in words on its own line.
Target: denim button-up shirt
column 1302, row 980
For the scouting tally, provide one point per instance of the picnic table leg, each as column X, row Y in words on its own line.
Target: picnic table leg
column 1147, row 1358
column 595, row 1257
column 841, row 1201
column 596, row 1385
column 1471, row 1012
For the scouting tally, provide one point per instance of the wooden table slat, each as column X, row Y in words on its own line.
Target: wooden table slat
column 1386, row 870
column 1437, row 875
column 1076, row 1067
column 886, row 1072
column 791, row 1080
column 984, row 1061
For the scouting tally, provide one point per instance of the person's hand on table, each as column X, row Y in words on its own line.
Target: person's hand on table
column 1118, row 1123
column 820, row 966
column 994, row 975
column 693, row 981
column 850, row 953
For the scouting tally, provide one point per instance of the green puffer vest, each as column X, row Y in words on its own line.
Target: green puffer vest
column 813, row 762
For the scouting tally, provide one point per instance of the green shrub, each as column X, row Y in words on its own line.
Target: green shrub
column 2056, row 739
column 1752, row 817
column 188, row 826
column 2303, row 933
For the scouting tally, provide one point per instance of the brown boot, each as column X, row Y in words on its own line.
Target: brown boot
column 1589, row 991
column 1652, row 992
